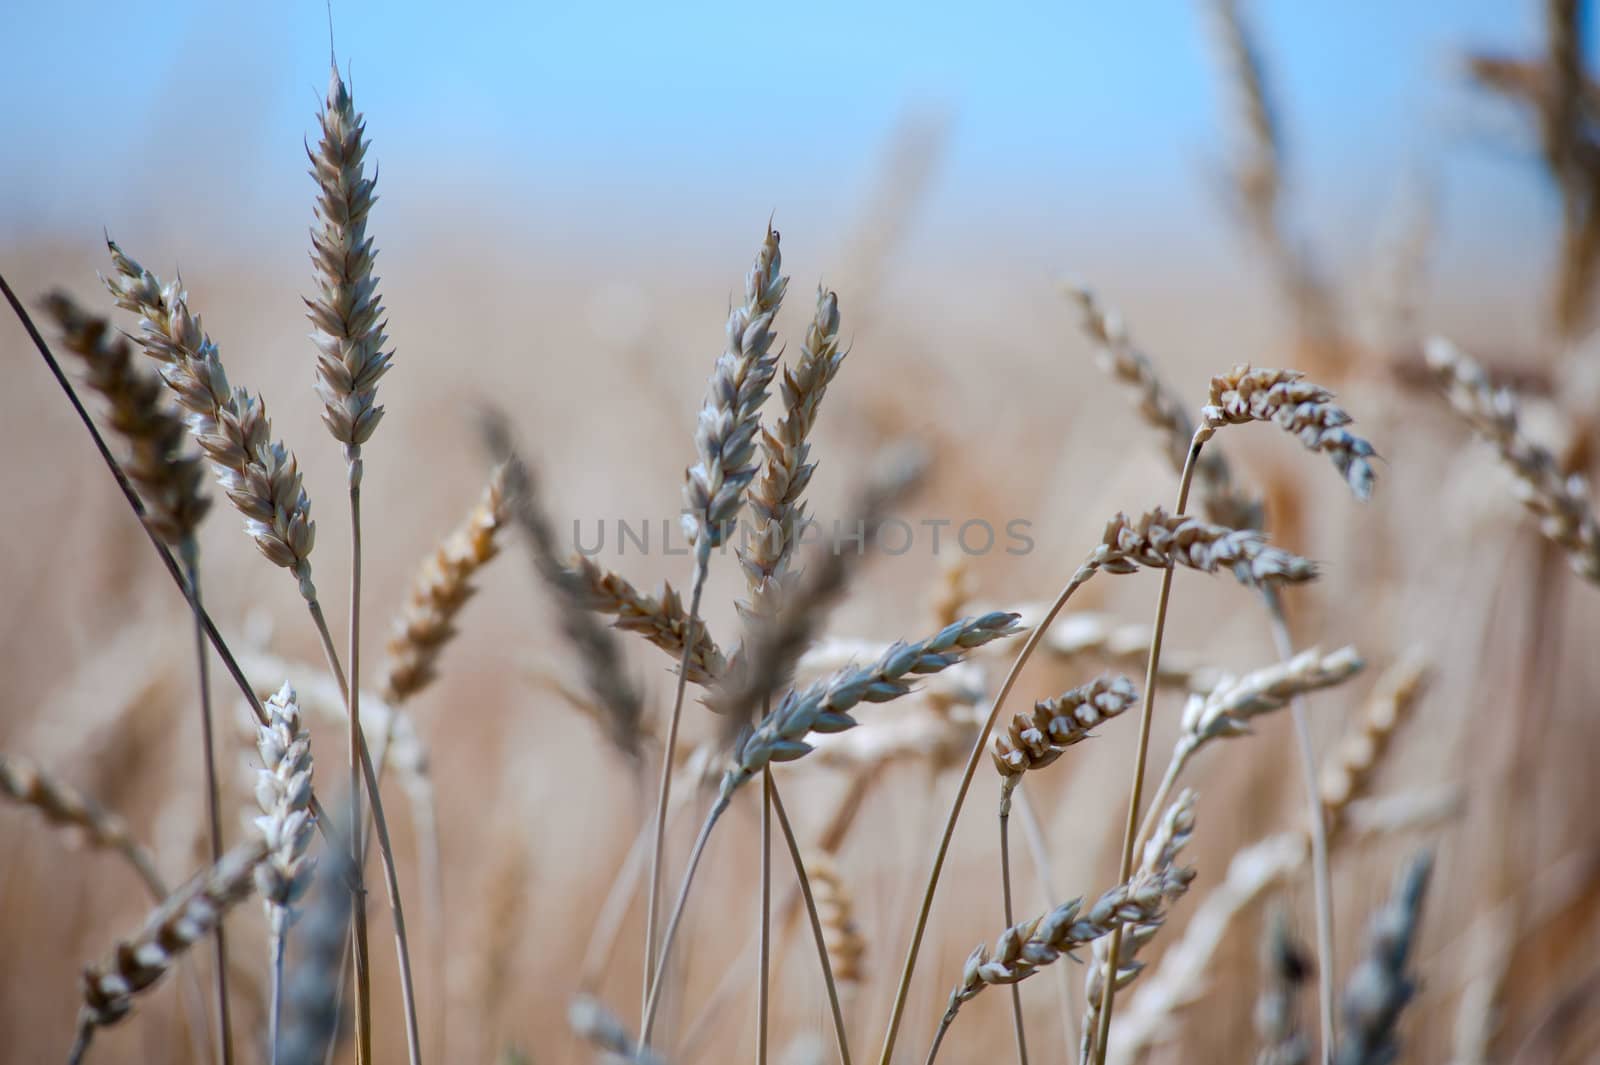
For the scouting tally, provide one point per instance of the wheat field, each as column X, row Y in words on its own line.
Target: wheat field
column 1144, row 663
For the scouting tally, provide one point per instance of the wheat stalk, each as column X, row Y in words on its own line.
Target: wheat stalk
column 1163, row 410
column 1023, row 949
column 1286, row 399
column 1379, row 988
column 1173, row 831
column 112, row 986
column 774, row 497
column 283, row 793
column 440, row 589
column 658, row 618
column 1345, row 776
column 1036, row 738
column 64, row 806
column 1561, row 502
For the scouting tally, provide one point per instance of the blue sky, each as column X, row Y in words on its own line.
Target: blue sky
column 1064, row 116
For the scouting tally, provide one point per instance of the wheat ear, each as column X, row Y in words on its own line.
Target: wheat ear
column 347, row 316
column 658, row 618
column 111, row 987
column 1561, row 502
column 1173, row 831
column 1284, row 968
column 1025, row 948
column 64, row 806
column 600, row 1028
column 312, row 989
column 1353, row 762
column 1157, row 540
column 171, row 486
column 283, row 793
column 1379, row 987
column 1163, row 410
column 836, row 910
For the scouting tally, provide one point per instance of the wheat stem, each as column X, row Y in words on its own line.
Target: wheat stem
column 275, row 1003
column 654, row 1001
column 702, row 562
column 191, row 562
column 828, row 980
column 1034, row 638
column 1146, row 712
column 1322, row 877
column 1006, row 787
column 385, row 849
column 358, row 910
column 764, row 970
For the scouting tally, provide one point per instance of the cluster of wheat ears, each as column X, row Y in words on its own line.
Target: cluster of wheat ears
column 783, row 688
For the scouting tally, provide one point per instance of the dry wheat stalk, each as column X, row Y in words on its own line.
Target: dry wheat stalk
column 348, row 312
column 660, row 619
column 1560, row 502
column 1378, row 989
column 1173, row 831
column 439, row 590
column 597, row 649
column 111, row 986
column 64, row 806
column 1284, row 969
column 1158, row 540
column 169, row 482
column 1037, row 737
column 258, row 475
column 1024, row 948
column 1226, row 711
column 774, row 497
column 1286, row 399
column 725, row 438
column 836, row 909
column 1164, row 411
column 1346, row 774
column 600, row 1028
column 1087, row 632
column 825, row 705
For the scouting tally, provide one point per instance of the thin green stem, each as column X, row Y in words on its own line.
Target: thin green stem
column 1006, row 787
column 1321, row 875
column 1146, row 712
column 904, row 988
column 702, row 562
column 191, row 562
column 839, row 1031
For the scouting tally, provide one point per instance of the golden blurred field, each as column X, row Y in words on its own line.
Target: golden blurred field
column 597, row 340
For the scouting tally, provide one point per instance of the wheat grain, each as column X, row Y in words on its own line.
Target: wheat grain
column 660, row 619
column 439, row 590
column 1345, row 776
column 774, row 497
column 112, row 986
column 64, row 806
column 1160, row 854
column 1378, row 989
column 348, row 312
column 1561, row 503
column 725, row 437
column 1037, row 737
column 1286, row 399
column 169, row 481
column 258, row 474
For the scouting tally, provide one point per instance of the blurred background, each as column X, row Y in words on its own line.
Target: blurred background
column 569, row 198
